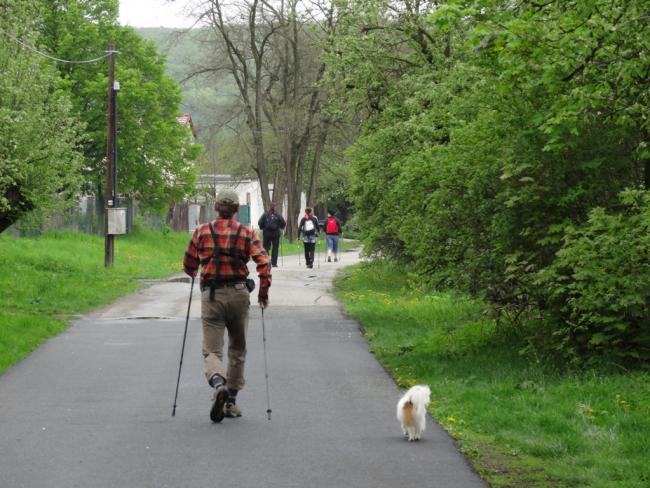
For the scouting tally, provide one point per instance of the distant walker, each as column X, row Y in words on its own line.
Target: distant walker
column 272, row 224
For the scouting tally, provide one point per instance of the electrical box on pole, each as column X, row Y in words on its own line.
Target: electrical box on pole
column 116, row 221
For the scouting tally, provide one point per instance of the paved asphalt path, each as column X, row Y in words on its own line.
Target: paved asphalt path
column 92, row 407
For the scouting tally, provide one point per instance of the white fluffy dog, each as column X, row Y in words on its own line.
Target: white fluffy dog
column 412, row 411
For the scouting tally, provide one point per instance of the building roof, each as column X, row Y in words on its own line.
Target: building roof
column 186, row 119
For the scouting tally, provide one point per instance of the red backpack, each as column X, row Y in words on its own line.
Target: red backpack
column 332, row 226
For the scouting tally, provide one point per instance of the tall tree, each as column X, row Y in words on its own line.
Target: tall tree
column 155, row 153
column 496, row 148
column 270, row 50
column 39, row 161
column 244, row 46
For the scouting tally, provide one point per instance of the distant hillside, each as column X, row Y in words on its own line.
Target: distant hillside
column 206, row 99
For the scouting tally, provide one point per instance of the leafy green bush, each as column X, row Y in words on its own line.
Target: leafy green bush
column 496, row 128
column 599, row 285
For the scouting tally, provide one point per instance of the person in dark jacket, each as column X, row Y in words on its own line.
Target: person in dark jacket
column 308, row 231
column 332, row 235
column 272, row 225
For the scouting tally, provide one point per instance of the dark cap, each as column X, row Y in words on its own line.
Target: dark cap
column 228, row 197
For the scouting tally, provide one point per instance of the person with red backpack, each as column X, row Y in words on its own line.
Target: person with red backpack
column 332, row 235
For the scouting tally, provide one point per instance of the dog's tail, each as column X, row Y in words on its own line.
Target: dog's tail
column 407, row 414
column 420, row 397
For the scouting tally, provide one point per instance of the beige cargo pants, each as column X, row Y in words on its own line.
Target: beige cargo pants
column 228, row 311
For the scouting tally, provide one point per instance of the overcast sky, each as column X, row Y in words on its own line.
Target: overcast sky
column 154, row 13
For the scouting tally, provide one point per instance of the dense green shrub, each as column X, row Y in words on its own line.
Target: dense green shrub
column 491, row 127
column 599, row 285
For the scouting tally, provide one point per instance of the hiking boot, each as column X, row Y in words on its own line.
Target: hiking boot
column 231, row 410
column 329, row 259
column 336, row 260
column 218, row 402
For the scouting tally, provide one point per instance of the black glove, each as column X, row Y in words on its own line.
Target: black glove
column 263, row 300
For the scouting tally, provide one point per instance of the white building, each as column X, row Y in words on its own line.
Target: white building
column 248, row 190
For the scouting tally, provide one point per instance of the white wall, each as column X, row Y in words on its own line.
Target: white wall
column 252, row 187
column 242, row 188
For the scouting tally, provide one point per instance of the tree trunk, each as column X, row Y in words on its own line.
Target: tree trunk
column 312, row 193
column 18, row 206
column 278, row 89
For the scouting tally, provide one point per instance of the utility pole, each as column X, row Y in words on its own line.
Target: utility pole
column 111, row 156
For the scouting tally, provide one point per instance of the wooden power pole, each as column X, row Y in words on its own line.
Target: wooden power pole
column 111, row 160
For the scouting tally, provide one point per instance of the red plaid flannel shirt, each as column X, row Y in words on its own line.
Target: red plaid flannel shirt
column 248, row 246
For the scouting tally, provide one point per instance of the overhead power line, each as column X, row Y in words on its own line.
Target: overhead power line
column 34, row 50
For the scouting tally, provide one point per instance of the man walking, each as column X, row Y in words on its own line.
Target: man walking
column 272, row 225
column 222, row 248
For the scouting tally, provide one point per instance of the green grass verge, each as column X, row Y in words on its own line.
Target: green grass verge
column 60, row 274
column 45, row 279
column 520, row 424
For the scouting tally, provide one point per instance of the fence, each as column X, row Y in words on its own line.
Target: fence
column 88, row 216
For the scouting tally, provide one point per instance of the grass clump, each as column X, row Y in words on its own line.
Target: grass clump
column 60, row 274
column 521, row 422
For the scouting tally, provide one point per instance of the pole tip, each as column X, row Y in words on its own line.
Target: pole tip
column 268, row 413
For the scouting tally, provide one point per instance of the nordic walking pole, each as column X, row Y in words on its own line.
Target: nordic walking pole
column 183, row 347
column 266, row 370
column 281, row 255
column 318, row 246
